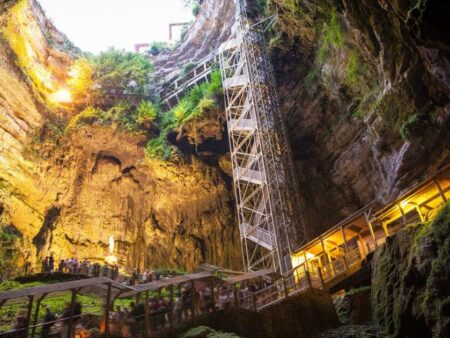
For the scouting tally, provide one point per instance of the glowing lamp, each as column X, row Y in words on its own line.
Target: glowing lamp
column 403, row 203
column 61, row 96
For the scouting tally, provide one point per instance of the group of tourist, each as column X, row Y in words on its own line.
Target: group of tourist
column 127, row 322
column 187, row 302
column 50, row 322
column 84, row 267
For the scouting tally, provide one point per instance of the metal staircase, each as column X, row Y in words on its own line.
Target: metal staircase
column 264, row 181
column 263, row 173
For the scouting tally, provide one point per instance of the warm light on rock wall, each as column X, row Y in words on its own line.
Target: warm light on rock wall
column 32, row 43
column 61, row 96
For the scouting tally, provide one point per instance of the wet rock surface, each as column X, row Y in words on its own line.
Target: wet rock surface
column 354, row 331
column 410, row 278
column 351, row 74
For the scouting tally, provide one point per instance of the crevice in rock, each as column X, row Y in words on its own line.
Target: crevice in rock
column 156, row 223
column 128, row 169
column 200, row 244
column 74, row 242
column 107, row 158
column 44, row 236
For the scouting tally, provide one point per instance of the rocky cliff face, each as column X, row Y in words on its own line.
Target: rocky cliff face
column 67, row 192
column 365, row 94
column 410, row 279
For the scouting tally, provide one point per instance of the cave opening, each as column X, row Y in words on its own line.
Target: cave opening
column 171, row 144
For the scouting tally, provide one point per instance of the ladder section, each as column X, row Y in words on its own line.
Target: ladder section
column 264, row 181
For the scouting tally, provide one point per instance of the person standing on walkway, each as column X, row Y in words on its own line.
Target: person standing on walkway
column 48, row 321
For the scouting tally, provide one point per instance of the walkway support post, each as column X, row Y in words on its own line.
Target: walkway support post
column 322, row 283
column 253, row 301
column 327, row 257
column 372, row 233
column 286, row 291
column 28, row 320
column 146, row 315
column 405, row 221
column 306, row 260
column 171, row 306
column 422, row 219
column 363, row 248
column 36, row 314
column 308, row 278
column 213, row 296
column 345, row 248
column 441, row 192
column 107, row 309
column 236, row 296
column 72, row 305
column 194, row 300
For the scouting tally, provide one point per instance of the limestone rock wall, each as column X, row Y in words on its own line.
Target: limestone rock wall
column 66, row 193
column 352, row 75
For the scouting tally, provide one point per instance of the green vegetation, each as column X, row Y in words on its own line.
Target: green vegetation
column 311, row 77
column 194, row 5
column 13, row 285
column 157, row 47
column 147, row 112
column 186, row 70
column 111, row 72
column 127, row 117
column 343, row 303
column 206, row 332
column 414, row 126
column 114, row 74
column 160, row 148
column 416, row 11
column 196, row 9
column 332, row 37
column 294, row 7
column 194, row 105
column 419, row 256
column 197, row 101
column 8, row 251
column 9, row 312
column 261, row 6
column 344, row 65
column 119, row 73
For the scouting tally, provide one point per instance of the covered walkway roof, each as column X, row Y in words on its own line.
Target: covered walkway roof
column 428, row 195
column 160, row 284
column 59, row 287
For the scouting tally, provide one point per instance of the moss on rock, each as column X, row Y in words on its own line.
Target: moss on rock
column 410, row 279
column 206, row 332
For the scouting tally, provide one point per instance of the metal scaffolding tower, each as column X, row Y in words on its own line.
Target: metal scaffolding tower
column 264, row 179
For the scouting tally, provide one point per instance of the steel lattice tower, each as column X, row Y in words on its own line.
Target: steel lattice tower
column 264, row 180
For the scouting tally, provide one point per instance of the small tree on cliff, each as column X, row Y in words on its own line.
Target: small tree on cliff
column 110, row 76
column 120, row 74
